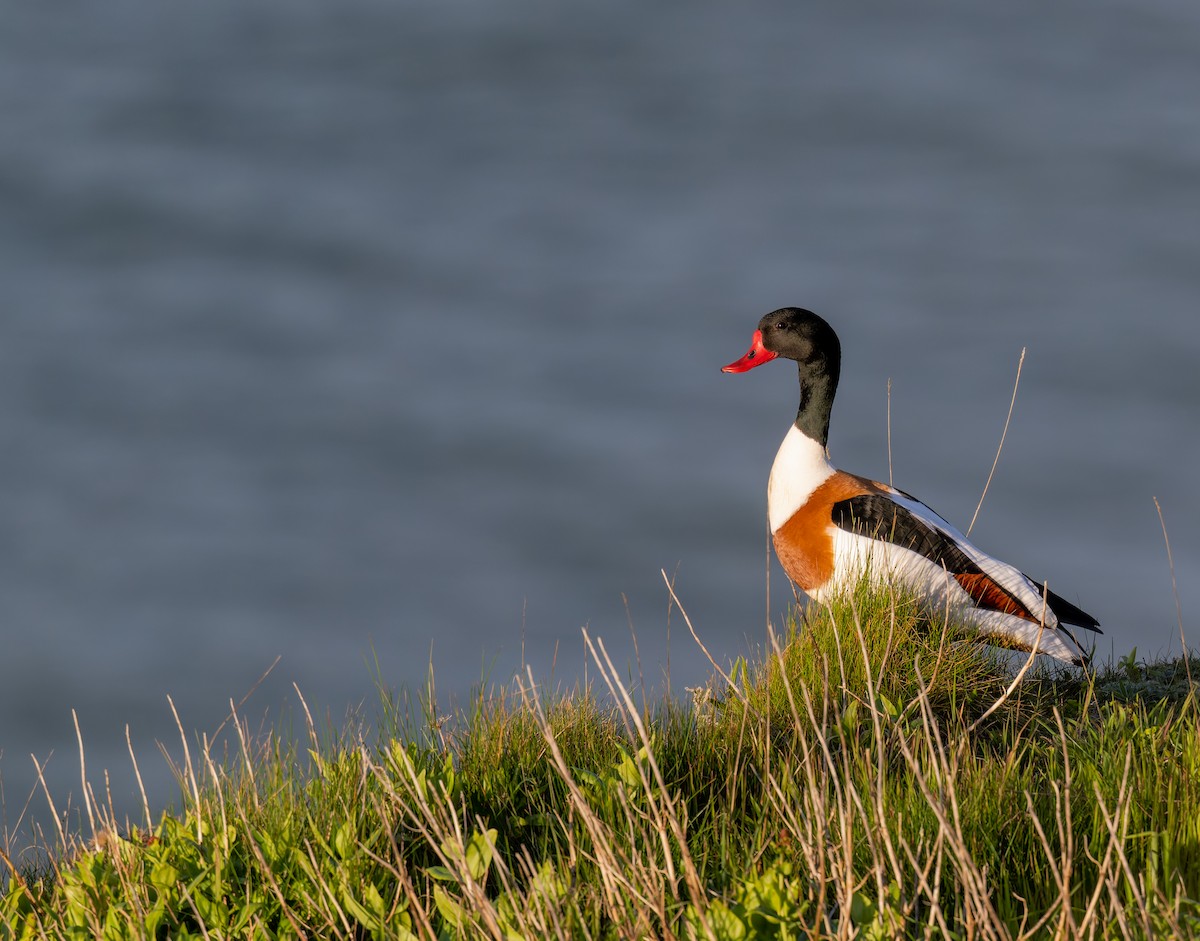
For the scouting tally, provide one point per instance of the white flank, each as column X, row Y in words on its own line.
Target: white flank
column 887, row 562
column 1009, row 578
column 801, row 465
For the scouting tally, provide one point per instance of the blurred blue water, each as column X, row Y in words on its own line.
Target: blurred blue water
column 378, row 329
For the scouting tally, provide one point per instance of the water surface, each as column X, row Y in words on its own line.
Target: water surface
column 393, row 331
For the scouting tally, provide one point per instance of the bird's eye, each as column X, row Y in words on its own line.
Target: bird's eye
column 780, row 325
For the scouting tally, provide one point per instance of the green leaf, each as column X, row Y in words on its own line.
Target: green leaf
column 247, row 913
column 588, row 777
column 357, row 910
column 450, row 910
column 479, row 854
column 862, row 910
column 164, row 876
column 627, row 772
column 375, row 901
column 850, row 718
column 344, row 840
column 212, row 913
column 726, row 926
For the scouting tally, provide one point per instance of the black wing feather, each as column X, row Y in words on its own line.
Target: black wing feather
column 1069, row 613
column 877, row 516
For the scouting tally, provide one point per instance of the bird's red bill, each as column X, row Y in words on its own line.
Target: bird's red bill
column 757, row 355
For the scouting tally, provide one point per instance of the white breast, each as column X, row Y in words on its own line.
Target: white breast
column 801, row 465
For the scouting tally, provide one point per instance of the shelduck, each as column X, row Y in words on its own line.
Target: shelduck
column 829, row 526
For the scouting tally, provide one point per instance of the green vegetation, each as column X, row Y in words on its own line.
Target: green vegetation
column 857, row 783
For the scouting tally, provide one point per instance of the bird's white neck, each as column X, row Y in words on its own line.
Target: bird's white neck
column 801, row 465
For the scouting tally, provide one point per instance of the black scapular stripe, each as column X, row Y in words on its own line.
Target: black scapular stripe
column 878, row 517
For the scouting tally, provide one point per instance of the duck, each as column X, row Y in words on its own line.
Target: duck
column 829, row 527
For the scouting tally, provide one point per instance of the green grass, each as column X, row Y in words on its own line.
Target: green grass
column 855, row 783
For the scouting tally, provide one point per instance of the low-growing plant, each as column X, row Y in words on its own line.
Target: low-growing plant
column 873, row 775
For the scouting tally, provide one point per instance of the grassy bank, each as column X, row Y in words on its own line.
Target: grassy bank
column 853, row 784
